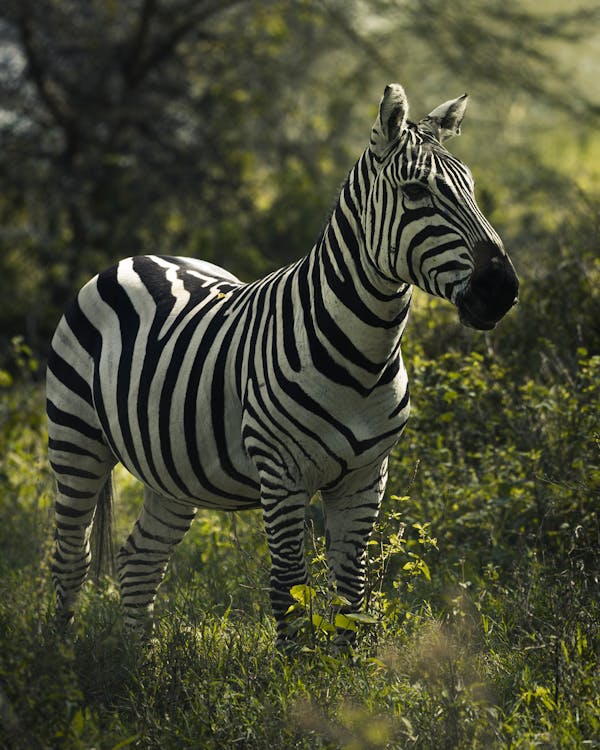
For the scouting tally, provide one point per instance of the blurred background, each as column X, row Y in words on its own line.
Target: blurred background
column 223, row 129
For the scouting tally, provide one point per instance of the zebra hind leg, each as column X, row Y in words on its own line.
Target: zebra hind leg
column 143, row 559
column 80, row 490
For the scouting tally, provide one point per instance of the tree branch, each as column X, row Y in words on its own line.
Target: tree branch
column 187, row 23
column 36, row 70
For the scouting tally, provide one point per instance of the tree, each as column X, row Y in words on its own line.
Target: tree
column 156, row 126
column 132, row 127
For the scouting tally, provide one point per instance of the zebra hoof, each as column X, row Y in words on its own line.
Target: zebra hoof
column 63, row 621
column 287, row 646
column 344, row 642
column 139, row 632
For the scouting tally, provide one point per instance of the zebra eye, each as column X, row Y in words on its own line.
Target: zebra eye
column 414, row 191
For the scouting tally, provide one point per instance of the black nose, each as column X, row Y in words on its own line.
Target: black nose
column 492, row 290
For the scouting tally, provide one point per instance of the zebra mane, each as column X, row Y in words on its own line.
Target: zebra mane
column 334, row 203
column 426, row 138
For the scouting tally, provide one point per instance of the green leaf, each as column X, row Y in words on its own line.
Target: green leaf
column 77, row 723
column 126, row 742
column 425, row 569
column 338, row 600
column 363, row 618
column 377, row 662
column 344, row 622
column 303, row 594
column 5, row 379
column 320, row 623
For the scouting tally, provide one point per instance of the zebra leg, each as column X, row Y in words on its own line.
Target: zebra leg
column 83, row 480
column 284, row 525
column 143, row 559
column 350, row 518
column 80, row 459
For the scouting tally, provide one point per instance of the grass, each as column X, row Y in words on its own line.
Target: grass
column 483, row 585
column 479, row 670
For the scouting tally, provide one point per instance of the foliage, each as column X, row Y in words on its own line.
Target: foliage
column 482, row 590
column 119, row 137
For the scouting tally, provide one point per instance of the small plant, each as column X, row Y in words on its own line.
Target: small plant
column 395, row 564
column 314, row 627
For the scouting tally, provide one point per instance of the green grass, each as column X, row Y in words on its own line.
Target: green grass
column 483, row 582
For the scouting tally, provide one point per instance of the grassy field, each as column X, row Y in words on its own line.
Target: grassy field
column 483, row 588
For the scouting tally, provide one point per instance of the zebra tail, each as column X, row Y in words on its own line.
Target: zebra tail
column 102, row 544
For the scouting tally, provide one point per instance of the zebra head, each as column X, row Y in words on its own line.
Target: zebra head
column 422, row 222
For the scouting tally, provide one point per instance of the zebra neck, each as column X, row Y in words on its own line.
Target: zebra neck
column 354, row 310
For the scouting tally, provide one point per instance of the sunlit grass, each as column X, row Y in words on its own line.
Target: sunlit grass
column 482, row 591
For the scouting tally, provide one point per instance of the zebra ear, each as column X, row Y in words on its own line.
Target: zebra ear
column 444, row 121
column 391, row 120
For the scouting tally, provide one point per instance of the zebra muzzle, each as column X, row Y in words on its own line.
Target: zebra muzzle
column 492, row 290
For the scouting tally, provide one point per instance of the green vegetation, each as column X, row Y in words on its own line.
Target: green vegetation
column 155, row 125
column 483, row 587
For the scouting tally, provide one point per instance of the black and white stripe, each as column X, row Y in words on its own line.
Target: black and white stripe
column 226, row 395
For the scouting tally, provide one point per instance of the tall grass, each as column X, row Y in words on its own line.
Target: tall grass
column 483, row 589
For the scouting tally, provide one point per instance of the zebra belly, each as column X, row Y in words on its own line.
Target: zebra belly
column 183, row 447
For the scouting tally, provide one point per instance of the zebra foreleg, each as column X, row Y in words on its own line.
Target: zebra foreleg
column 349, row 524
column 143, row 559
column 284, row 525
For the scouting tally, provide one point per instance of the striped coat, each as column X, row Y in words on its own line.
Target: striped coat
column 220, row 394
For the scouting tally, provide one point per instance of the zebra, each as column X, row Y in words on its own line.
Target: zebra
column 227, row 395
